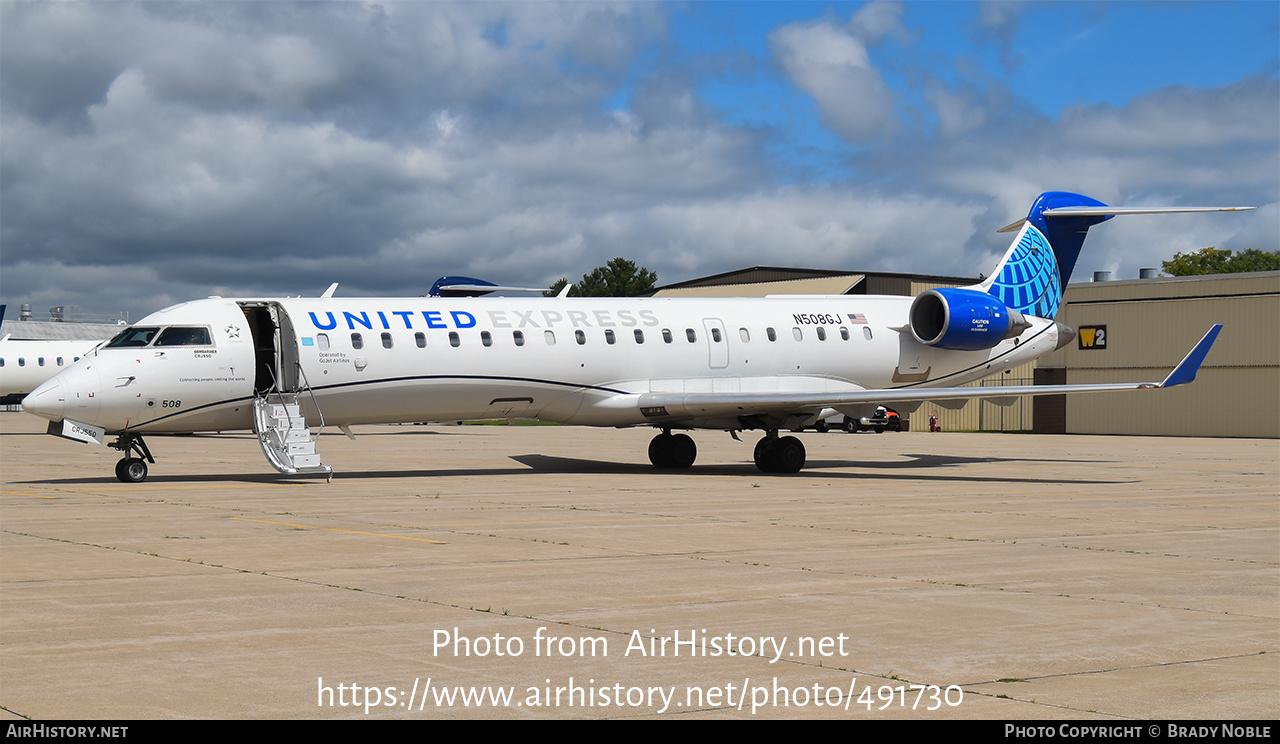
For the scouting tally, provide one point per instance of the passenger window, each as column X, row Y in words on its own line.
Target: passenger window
column 773, row 336
column 322, row 340
column 666, row 335
column 59, row 361
column 40, row 361
column 844, row 333
column 797, row 333
column 639, row 336
column 581, row 337
column 22, row 362
column 420, row 339
column 357, row 341
column 519, row 337
column 454, row 340
column 386, row 340
column 1, row 361
column 744, row 334
column 690, row 334
column 184, row 336
column 609, row 338
column 822, row 333
column 866, row 332
column 486, row 338
column 550, row 336
column 715, row 335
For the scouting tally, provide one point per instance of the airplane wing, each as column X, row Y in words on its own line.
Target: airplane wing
column 708, row 405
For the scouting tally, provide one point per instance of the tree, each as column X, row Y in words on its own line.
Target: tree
column 618, row 278
column 1211, row 260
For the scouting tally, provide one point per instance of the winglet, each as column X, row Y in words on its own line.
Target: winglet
column 329, row 292
column 1186, row 370
column 565, row 291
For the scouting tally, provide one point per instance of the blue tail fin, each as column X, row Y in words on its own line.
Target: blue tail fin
column 1036, row 268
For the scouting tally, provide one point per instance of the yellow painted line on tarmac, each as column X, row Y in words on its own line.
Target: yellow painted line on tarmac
column 32, row 495
column 335, row 529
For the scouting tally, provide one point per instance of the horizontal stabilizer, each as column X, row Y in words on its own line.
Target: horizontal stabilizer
column 1079, row 211
column 459, row 289
column 465, row 286
column 1105, row 211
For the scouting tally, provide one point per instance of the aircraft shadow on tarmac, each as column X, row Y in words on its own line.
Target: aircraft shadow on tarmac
column 915, row 467
column 813, row 468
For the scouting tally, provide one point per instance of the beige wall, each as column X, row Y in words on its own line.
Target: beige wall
column 1151, row 325
column 980, row 415
column 824, row 285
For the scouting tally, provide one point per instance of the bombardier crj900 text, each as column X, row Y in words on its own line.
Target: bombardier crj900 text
column 280, row 366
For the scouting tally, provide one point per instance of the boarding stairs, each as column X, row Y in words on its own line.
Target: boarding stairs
column 284, row 435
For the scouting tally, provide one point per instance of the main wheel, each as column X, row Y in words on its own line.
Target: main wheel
column 682, row 452
column 851, row 426
column 788, row 455
column 131, row 470
column 764, row 454
column 660, row 450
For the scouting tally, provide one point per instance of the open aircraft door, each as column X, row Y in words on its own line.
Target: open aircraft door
column 279, row 382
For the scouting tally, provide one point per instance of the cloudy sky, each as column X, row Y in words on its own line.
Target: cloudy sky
column 156, row 152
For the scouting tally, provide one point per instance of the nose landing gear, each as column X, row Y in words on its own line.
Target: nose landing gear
column 132, row 469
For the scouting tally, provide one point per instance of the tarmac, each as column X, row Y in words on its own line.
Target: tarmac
column 550, row 572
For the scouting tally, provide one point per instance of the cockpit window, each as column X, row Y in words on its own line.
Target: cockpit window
column 137, row 336
column 184, row 336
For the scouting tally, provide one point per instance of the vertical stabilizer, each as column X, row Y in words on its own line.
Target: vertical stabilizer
column 1036, row 268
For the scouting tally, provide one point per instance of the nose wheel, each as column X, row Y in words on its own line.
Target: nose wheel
column 132, row 468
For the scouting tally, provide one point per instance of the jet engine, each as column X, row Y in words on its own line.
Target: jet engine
column 963, row 319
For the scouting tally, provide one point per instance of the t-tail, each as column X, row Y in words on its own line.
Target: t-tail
column 1029, row 280
column 1035, row 270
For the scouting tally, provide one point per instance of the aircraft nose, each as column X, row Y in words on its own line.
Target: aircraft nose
column 49, row 400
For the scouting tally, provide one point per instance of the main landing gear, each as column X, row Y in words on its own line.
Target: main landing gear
column 132, row 469
column 773, row 454
column 779, row 455
column 672, row 451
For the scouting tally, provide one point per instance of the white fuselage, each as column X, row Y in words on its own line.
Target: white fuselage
column 581, row 361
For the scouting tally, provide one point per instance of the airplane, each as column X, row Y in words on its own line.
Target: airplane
column 24, row 364
column 279, row 366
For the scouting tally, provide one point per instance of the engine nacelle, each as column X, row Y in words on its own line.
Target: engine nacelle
column 963, row 319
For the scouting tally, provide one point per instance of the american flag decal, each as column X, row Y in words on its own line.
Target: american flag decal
column 857, row 319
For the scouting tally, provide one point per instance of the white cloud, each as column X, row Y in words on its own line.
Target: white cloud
column 174, row 151
column 830, row 64
column 876, row 21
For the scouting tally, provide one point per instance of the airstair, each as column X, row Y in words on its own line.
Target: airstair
column 284, row 435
